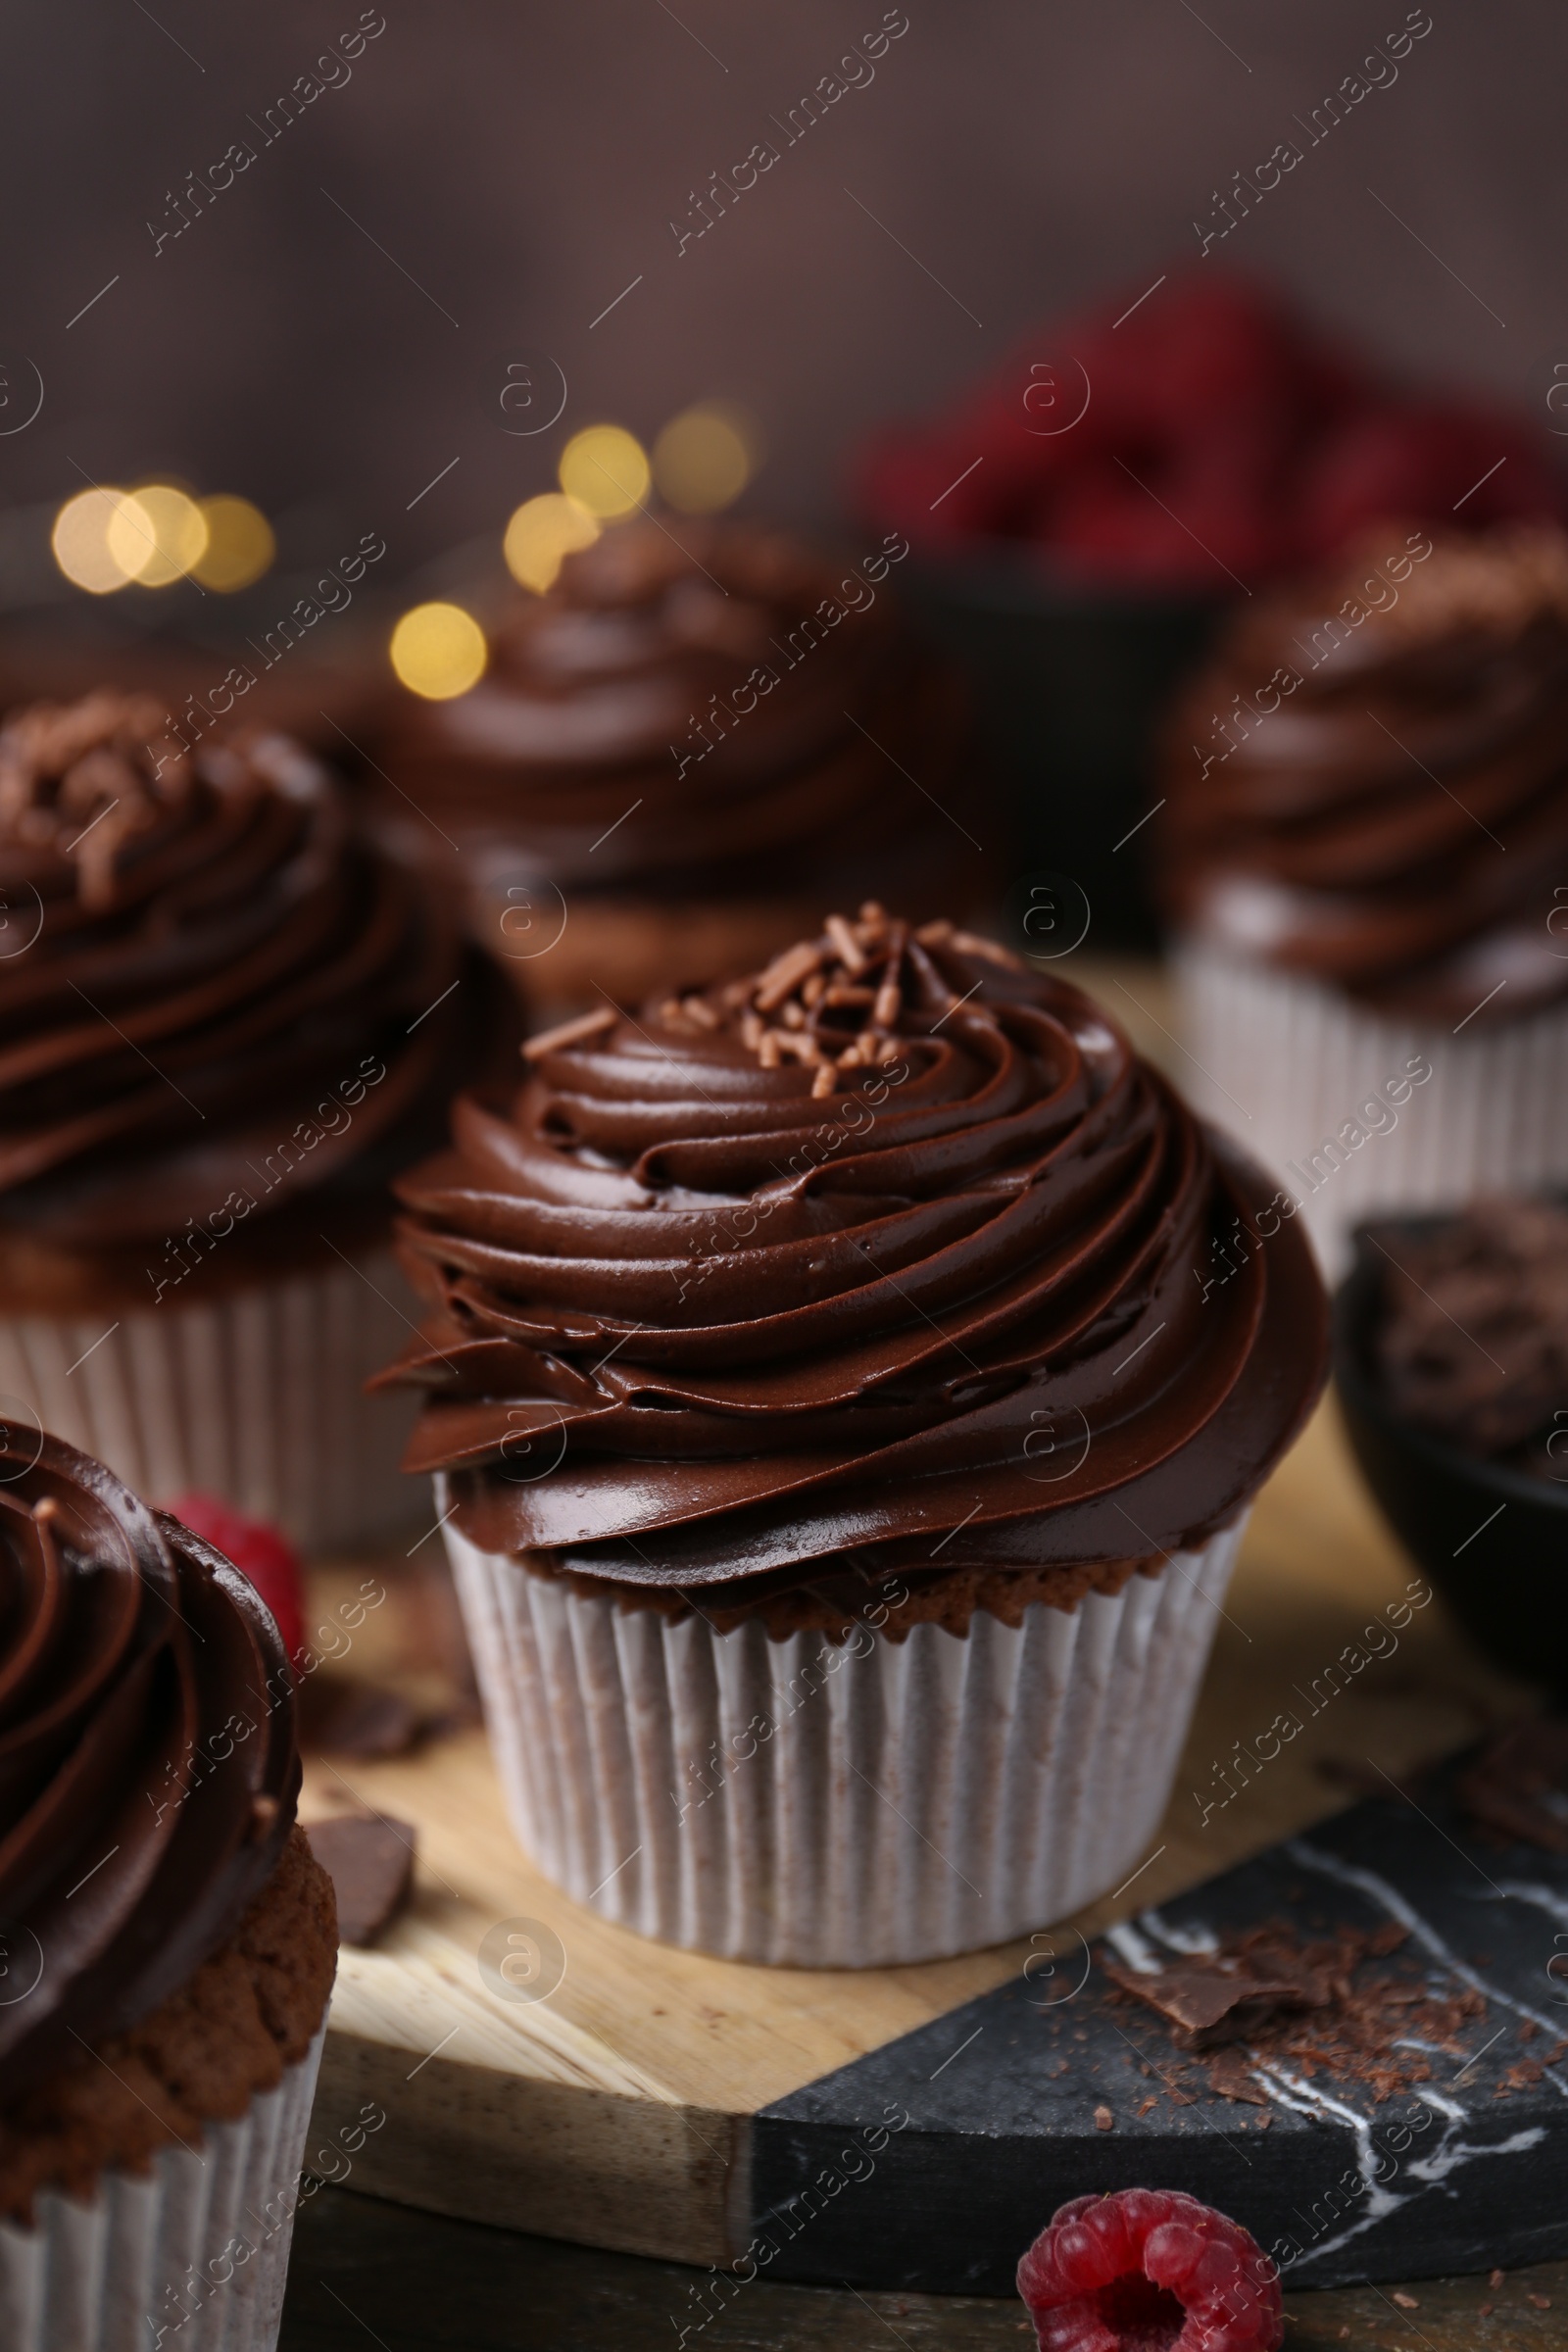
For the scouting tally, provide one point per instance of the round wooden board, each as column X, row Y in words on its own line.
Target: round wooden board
column 621, row 2108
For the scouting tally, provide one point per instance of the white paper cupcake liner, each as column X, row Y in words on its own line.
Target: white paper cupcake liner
column 1289, row 1067
column 913, row 1798
column 191, row 2258
column 256, row 1397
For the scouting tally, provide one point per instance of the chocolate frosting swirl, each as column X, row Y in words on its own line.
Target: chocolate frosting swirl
column 1369, row 783
column 148, row 1768
column 896, row 1255
column 196, row 948
column 687, row 715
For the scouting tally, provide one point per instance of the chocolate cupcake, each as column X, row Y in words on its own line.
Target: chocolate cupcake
column 845, row 1432
column 1367, row 862
column 169, row 1943
column 225, row 1019
column 678, row 749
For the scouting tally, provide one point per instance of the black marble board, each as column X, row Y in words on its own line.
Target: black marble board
column 1000, row 2095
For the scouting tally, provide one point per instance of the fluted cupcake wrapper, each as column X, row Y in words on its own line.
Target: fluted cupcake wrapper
column 193, row 2254
column 1293, row 1068
column 256, row 1397
column 837, row 1805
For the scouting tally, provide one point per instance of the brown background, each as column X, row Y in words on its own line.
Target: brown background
column 523, row 163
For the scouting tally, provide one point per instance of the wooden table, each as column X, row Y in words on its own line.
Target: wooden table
column 367, row 2273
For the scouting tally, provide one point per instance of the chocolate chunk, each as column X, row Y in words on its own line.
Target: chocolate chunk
column 369, row 1860
column 339, row 1717
column 1209, row 2002
column 1518, row 1785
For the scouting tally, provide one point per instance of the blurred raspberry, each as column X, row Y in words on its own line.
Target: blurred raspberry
column 1417, row 460
column 258, row 1550
column 1150, row 2270
column 1215, row 361
column 1248, row 430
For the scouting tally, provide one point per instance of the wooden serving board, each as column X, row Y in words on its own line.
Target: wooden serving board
column 647, row 2101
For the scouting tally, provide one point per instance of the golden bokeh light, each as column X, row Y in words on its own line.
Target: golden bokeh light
column 705, row 457
column 543, row 531
column 240, row 545
column 606, row 469
column 156, row 535
column 438, row 651
column 81, row 539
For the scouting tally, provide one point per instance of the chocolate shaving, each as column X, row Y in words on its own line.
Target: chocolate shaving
column 1317, row 2006
column 1230, row 2075
column 838, row 1001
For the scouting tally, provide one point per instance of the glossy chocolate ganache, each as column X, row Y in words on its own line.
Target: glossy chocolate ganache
column 148, row 1768
column 893, row 1257
column 210, row 988
column 721, row 711
column 1369, row 784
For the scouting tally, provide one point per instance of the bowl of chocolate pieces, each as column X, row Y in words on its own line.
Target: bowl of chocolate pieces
column 1451, row 1367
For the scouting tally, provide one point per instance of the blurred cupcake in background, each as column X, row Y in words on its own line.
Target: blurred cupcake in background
column 684, row 735
column 1366, row 858
column 170, row 1941
column 226, row 1019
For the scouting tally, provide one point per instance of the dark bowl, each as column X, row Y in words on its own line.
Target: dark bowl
column 1493, row 1540
column 1070, row 685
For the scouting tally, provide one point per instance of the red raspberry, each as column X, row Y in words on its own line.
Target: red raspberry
column 259, row 1551
column 1433, row 462
column 1150, row 2270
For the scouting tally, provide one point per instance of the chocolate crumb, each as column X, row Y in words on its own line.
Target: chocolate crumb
column 1404, row 2301
column 1104, row 2119
column 1495, row 2278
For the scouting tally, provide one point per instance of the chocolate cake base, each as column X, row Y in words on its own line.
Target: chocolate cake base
column 248, row 2013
